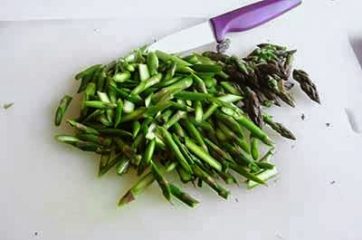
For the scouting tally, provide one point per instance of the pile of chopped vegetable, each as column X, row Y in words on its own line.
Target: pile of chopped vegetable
column 198, row 116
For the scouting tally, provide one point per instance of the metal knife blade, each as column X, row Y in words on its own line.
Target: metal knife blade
column 187, row 39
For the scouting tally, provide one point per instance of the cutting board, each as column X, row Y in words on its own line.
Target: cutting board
column 51, row 191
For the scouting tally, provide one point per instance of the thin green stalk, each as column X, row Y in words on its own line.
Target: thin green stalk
column 198, row 151
column 212, row 108
column 136, row 127
column 137, row 189
column 231, row 123
column 148, row 154
column 87, row 71
column 195, row 134
column 179, row 130
column 122, row 77
column 118, row 112
column 254, row 148
column 145, row 84
column 248, row 175
column 123, row 166
column 265, row 165
column 143, row 72
column 84, row 82
column 115, row 132
column 100, row 79
column 185, row 177
column 141, row 185
column 215, row 148
column 199, row 83
column 82, row 145
column 230, row 88
column 99, row 104
column 186, row 153
column 104, row 169
column 211, row 182
column 182, row 196
column 264, row 176
column 175, row 150
column 231, row 135
column 161, row 180
column 104, row 120
column 94, row 115
column 254, row 129
column 174, row 119
column 167, row 82
column 152, row 63
column 167, row 92
column 267, row 156
column 228, row 178
column 198, row 111
column 135, row 115
column 62, row 108
column 170, row 74
column 104, row 141
column 165, row 57
column 209, row 68
column 126, row 95
column 82, row 127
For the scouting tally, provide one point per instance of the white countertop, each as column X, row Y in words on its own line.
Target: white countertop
column 15, row 10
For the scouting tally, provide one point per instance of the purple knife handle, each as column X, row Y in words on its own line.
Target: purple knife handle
column 251, row 16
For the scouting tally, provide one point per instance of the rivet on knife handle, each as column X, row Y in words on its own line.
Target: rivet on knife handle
column 251, row 16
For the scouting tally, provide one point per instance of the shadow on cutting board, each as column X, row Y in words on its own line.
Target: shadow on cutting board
column 352, row 115
column 356, row 44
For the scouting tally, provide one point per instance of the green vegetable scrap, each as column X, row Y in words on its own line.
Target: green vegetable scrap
column 7, row 105
column 62, row 108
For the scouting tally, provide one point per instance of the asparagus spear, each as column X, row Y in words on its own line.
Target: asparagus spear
column 137, row 189
column 198, row 151
column 182, row 196
column 162, row 182
column 152, row 63
column 211, row 182
column 278, row 127
column 306, row 84
column 62, row 108
column 140, row 186
column 176, row 151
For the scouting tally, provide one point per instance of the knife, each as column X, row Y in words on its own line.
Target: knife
column 216, row 28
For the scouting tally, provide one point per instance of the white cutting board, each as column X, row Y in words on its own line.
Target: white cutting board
column 51, row 191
